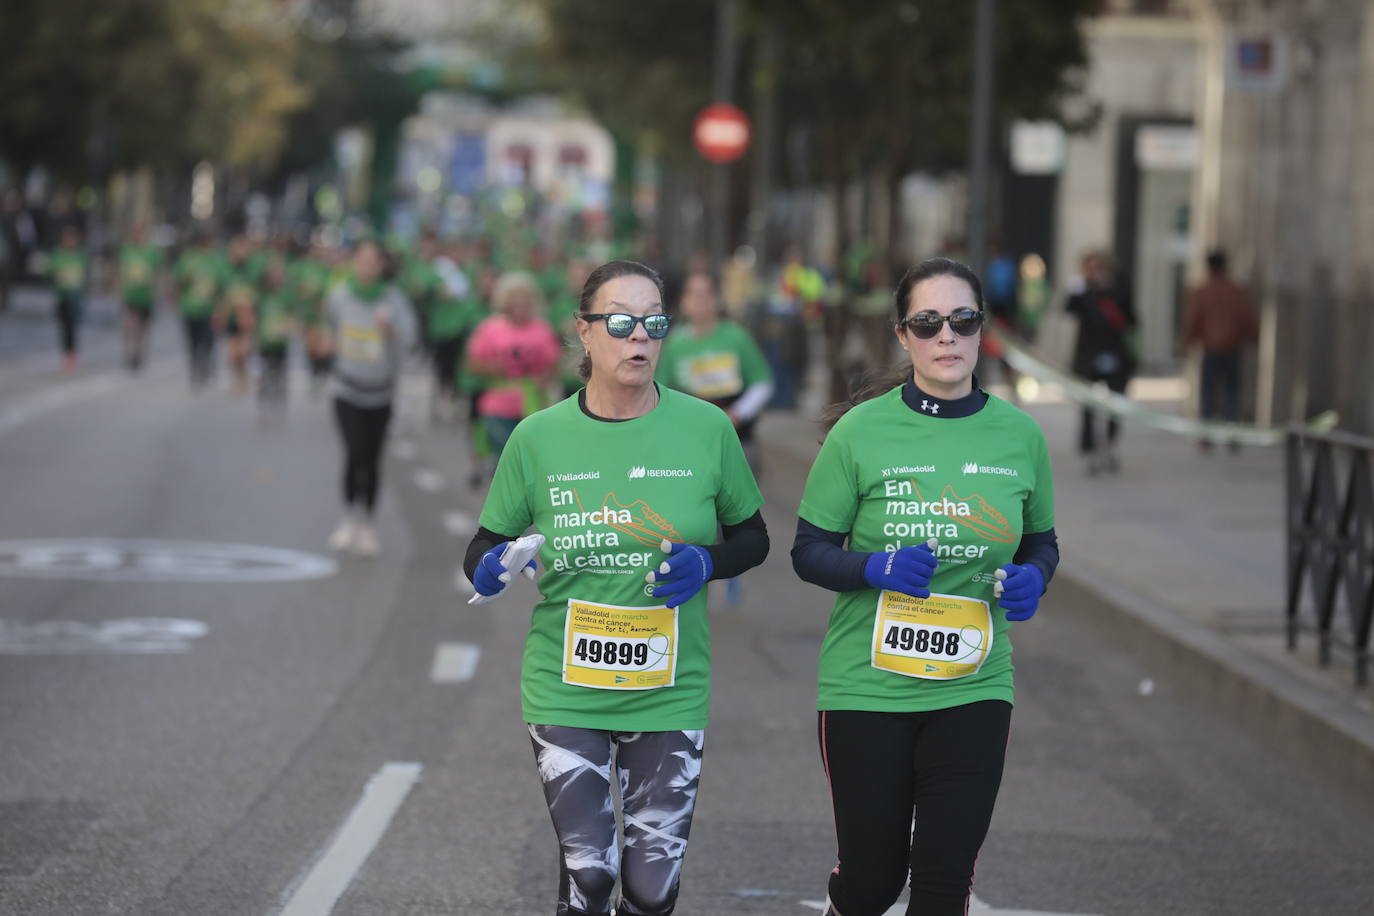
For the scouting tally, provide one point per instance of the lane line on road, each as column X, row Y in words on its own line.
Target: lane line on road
column 331, row 875
column 976, row 908
column 427, row 480
column 454, row 662
column 459, row 524
column 29, row 406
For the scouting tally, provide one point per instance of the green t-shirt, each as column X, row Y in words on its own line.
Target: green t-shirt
column 275, row 319
column 605, row 495
column 717, row 367
column 450, row 317
column 419, row 281
column 200, row 275
column 68, row 271
column 308, row 280
column 891, row 478
column 138, row 266
column 243, row 280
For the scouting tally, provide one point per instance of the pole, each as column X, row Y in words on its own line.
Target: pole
column 765, row 127
column 726, row 22
column 980, row 132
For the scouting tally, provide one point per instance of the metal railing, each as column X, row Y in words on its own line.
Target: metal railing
column 1331, row 542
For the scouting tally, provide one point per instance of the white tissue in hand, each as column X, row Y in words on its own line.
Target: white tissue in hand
column 517, row 555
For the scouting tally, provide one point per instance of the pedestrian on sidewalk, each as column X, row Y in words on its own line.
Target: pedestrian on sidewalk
column 375, row 329
column 1219, row 319
column 945, row 496
column 1103, row 351
column 628, row 481
column 68, row 269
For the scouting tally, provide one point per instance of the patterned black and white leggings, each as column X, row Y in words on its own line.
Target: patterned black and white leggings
column 658, row 775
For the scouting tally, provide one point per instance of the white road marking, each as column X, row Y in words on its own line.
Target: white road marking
column 459, row 524
column 341, row 860
column 976, row 907
column 28, row 407
column 129, row 636
column 403, row 449
column 143, row 560
column 427, row 480
column 454, row 662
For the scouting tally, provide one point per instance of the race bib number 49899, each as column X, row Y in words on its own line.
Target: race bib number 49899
column 619, row 648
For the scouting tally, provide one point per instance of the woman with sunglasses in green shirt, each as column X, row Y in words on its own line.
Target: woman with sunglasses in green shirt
column 627, row 481
column 929, row 511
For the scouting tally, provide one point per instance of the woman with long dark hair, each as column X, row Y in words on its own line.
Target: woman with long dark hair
column 929, row 511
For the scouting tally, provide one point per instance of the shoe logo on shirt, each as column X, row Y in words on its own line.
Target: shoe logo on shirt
column 932, row 407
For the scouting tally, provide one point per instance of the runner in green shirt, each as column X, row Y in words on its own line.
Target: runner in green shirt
column 309, row 281
column 626, row 482
column 274, row 324
column 139, row 265
column 716, row 360
column 200, row 277
column 946, row 499
column 67, row 267
column 238, row 304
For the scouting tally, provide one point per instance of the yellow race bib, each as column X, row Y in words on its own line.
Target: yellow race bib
column 361, row 344
column 942, row 637
column 619, row 648
column 713, row 375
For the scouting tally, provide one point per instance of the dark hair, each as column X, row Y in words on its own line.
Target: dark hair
column 1216, row 261
column 883, row 379
column 611, row 270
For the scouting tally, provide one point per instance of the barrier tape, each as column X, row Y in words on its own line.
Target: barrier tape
column 1099, row 396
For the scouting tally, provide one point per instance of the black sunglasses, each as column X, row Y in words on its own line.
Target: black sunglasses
column 925, row 325
column 618, row 324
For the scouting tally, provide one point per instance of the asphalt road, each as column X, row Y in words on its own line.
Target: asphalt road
column 186, row 730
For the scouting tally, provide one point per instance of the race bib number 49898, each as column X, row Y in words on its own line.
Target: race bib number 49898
column 942, row 637
column 619, row 648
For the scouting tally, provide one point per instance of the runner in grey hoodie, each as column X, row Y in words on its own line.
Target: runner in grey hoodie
column 373, row 328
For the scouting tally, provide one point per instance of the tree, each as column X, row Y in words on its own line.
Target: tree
column 882, row 87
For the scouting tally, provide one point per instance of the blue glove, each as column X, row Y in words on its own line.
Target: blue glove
column 685, row 572
column 907, row 570
column 1019, row 589
column 491, row 577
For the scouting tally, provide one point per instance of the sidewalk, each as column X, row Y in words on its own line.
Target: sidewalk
column 1186, row 552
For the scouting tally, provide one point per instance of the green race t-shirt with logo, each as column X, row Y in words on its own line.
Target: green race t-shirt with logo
column 716, row 367
column 138, row 266
column 201, row 275
column 275, row 319
column 68, row 270
column 605, row 495
column 894, row 478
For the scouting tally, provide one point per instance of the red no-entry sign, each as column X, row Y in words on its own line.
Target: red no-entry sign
column 721, row 133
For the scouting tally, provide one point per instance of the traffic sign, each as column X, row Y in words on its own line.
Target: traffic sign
column 721, row 133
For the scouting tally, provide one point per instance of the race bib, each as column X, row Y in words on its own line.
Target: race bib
column 619, row 648
column 361, row 344
column 942, row 637
column 713, row 375
column 135, row 272
column 276, row 326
